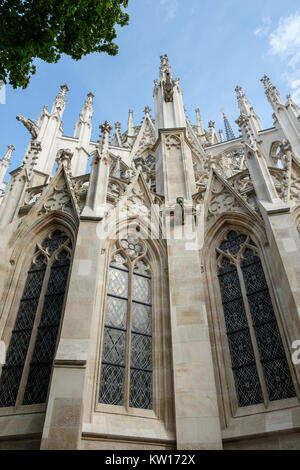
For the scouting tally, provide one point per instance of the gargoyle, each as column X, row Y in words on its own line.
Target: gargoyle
column 30, row 125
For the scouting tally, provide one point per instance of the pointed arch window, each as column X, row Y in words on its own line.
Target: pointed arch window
column 259, row 364
column 26, row 374
column 126, row 368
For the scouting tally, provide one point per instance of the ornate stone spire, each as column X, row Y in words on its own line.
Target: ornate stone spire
column 243, row 102
column 87, row 109
column 64, row 158
column 247, row 110
column 271, row 91
column 166, row 79
column 117, row 168
column 165, row 68
column 105, row 129
column 228, row 129
column 130, row 123
column 118, row 136
column 85, row 116
column 213, row 138
column 60, row 100
column 4, row 164
column 199, row 122
column 7, row 156
column 222, row 138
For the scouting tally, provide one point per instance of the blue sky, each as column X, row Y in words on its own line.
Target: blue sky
column 212, row 47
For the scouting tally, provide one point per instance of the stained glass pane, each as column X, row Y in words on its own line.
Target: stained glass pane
column 233, row 242
column 114, row 344
column 18, row 347
column 142, row 268
column 116, row 312
column 141, row 352
column 26, row 314
column 269, row 341
column 235, row 316
column 112, row 385
column 118, row 283
column 140, row 389
column 21, row 334
column 52, row 310
column 261, row 307
column 254, row 278
column 9, row 385
column 278, row 379
column 58, row 279
column 241, row 349
column 37, row 384
column 141, row 318
column 247, row 386
column 33, row 284
column 141, row 290
column 230, row 286
column 53, row 243
column 271, row 350
column 46, row 339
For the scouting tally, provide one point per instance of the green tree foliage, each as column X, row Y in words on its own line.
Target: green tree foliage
column 46, row 29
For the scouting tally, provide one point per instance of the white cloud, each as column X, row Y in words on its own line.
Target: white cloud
column 170, row 7
column 264, row 29
column 284, row 42
column 295, row 85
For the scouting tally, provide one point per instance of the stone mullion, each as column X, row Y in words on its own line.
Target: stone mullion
column 253, row 336
column 26, row 368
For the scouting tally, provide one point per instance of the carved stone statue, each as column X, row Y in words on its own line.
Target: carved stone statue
column 30, row 126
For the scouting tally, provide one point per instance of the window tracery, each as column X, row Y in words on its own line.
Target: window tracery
column 126, row 369
column 26, row 374
column 259, row 364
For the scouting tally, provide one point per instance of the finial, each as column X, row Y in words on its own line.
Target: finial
column 7, row 156
column 211, row 124
column 239, row 91
column 147, row 110
column 64, row 156
column 221, row 135
column 105, row 128
column 117, row 125
column 64, row 88
column 266, row 81
column 164, row 60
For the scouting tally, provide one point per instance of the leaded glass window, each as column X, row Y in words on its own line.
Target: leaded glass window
column 26, row 374
column 126, row 367
column 259, row 364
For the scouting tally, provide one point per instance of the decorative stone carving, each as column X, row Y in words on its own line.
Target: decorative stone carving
column 173, row 141
column 133, row 247
column 30, row 126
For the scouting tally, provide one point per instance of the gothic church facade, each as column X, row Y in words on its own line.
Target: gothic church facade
column 150, row 282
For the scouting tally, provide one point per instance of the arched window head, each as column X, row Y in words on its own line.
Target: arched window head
column 260, row 368
column 26, row 373
column 126, row 368
column 278, row 155
column 148, row 163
